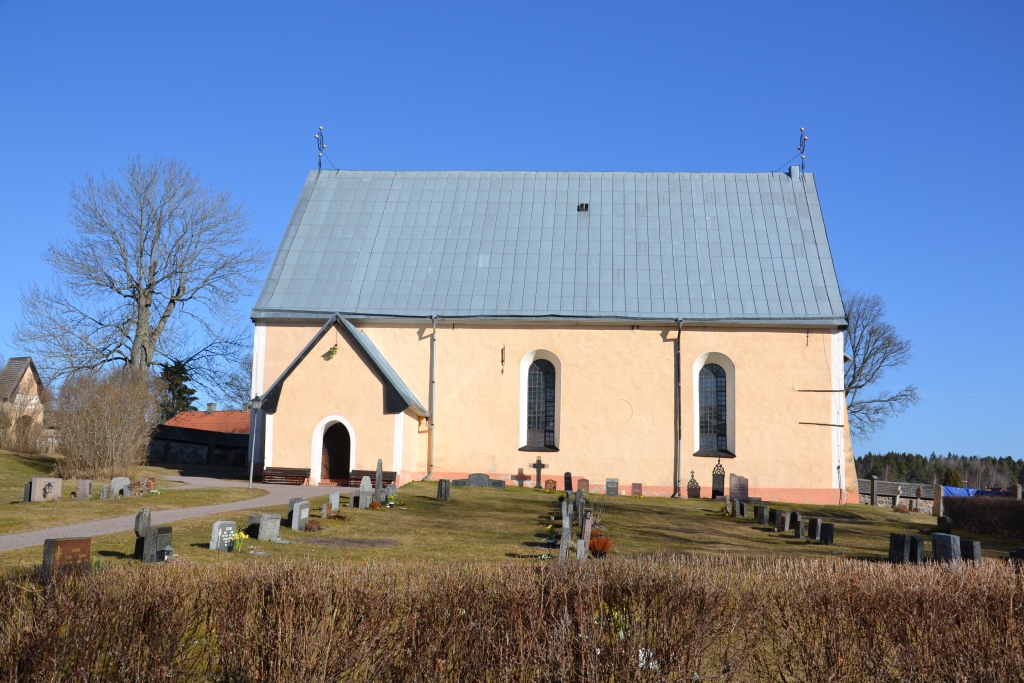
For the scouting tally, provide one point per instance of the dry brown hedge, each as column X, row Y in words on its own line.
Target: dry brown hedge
column 999, row 517
column 661, row 618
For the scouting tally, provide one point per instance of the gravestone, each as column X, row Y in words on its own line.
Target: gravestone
column 828, row 534
column 444, row 489
column 39, row 489
column 550, row 485
column 378, row 482
column 794, row 519
column 718, row 480
column 264, row 526
column 65, row 553
column 937, row 508
column 692, row 487
column 782, row 522
column 482, row 480
column 971, row 551
column 300, row 514
column 566, row 541
column 588, row 528
column 611, row 487
column 84, row 489
column 222, row 536
column 142, row 522
column 761, row 515
column 568, row 482
column 292, row 502
column 899, row 548
column 896, row 500
column 637, row 490
column 583, row 485
column 874, row 490
column 365, row 493
column 743, row 510
column 150, row 484
column 389, row 491
column 521, row 478
column 335, row 500
column 945, row 524
column 106, row 492
column 814, row 528
column 150, row 547
column 325, row 511
column 773, row 517
column 1015, row 492
column 916, row 550
column 738, row 487
column 119, row 486
column 581, row 550
column 735, row 508
column 580, row 507
column 945, row 547
column 799, row 529
column 538, row 466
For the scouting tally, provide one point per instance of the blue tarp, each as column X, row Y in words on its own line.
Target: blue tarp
column 960, row 492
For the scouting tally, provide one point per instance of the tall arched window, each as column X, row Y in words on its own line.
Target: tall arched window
column 713, row 422
column 540, row 405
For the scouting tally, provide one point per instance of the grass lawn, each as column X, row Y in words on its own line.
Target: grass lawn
column 508, row 525
column 16, row 470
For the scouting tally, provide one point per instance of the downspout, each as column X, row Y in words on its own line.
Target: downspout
column 430, row 407
column 678, row 460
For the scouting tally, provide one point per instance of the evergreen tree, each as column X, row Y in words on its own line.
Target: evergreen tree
column 178, row 395
column 952, row 477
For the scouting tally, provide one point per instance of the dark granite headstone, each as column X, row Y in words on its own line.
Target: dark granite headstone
column 828, row 534
column 478, row 480
column 794, row 519
column 63, row 553
column 782, row 522
column 945, row 547
column 814, row 528
column 899, row 548
column 222, row 536
column 743, row 510
column 149, row 548
column 568, row 481
column 583, row 485
column 773, row 517
column 611, row 487
column 916, row 550
column 799, row 529
column 738, row 487
column 444, row 489
column 761, row 515
column 736, row 508
column 971, row 551
column 945, row 524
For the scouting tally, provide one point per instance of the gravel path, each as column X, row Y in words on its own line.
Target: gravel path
column 276, row 494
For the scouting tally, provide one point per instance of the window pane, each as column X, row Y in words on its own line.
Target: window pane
column 540, row 405
column 712, row 409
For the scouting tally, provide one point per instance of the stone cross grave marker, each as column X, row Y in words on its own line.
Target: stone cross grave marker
column 896, row 500
column 692, row 487
column 335, row 500
column 378, row 482
column 84, row 489
column 64, row 553
column 300, row 514
column 814, row 529
column 119, row 486
column 550, row 485
column 222, row 536
column 43, row 488
column 583, row 485
column 761, row 515
column 738, row 487
column 828, row 534
column 106, row 493
column 799, row 529
column 611, row 487
column 264, row 526
column 637, row 490
column 444, row 489
column 520, row 478
column 365, row 492
column 150, row 484
column 970, row 551
column 945, row 547
column 568, row 482
column 718, row 480
column 538, row 466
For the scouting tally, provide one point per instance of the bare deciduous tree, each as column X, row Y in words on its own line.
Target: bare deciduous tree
column 875, row 347
column 238, row 386
column 152, row 274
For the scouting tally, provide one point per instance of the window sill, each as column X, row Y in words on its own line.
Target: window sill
column 539, row 449
column 708, row 453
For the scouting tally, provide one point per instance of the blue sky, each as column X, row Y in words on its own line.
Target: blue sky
column 913, row 110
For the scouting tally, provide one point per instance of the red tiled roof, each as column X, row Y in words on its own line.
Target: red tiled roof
column 223, row 421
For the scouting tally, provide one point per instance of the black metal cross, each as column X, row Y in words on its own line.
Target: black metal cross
column 538, row 466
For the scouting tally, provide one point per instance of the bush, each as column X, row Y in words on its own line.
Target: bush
column 600, row 544
column 313, row 525
column 105, row 421
column 643, row 619
column 985, row 516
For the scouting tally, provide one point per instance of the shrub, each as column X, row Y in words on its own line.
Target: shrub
column 375, row 505
column 985, row 516
column 600, row 544
column 313, row 525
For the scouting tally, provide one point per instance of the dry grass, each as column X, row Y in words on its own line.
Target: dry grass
column 654, row 618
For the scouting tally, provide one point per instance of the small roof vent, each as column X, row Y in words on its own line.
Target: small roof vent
column 583, row 207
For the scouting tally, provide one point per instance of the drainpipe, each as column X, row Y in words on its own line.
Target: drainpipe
column 430, row 408
column 678, row 460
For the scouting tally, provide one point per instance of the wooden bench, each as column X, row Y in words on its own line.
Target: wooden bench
column 355, row 477
column 294, row 476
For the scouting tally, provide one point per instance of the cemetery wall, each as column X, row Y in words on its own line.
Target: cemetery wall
column 987, row 516
column 614, row 394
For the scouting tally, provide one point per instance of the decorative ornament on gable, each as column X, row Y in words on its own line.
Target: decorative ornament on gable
column 332, row 352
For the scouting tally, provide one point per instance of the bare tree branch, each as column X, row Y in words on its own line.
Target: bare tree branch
column 146, row 244
column 875, row 347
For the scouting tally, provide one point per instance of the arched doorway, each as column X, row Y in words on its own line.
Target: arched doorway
column 334, row 462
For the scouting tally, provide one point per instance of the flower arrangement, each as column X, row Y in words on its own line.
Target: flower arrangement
column 313, row 525
column 600, row 544
column 238, row 539
column 375, row 505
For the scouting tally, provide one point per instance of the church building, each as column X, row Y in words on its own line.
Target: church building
column 644, row 327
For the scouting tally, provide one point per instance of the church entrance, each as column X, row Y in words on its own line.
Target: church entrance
column 334, row 464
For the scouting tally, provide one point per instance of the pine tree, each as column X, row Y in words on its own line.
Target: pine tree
column 178, row 395
column 952, row 477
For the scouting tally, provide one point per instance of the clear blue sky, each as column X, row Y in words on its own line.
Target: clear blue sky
column 914, row 112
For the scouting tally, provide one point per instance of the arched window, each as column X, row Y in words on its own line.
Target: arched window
column 540, row 405
column 713, row 418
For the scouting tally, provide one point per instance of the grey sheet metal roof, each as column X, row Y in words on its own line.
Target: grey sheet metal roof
column 729, row 247
column 12, row 374
column 398, row 397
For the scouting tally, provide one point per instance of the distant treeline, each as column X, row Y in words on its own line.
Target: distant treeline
column 972, row 470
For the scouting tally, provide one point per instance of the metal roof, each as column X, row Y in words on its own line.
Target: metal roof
column 726, row 247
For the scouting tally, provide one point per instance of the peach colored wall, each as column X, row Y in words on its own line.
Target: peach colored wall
column 616, row 411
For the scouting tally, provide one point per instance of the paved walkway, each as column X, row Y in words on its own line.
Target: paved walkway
column 276, row 494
